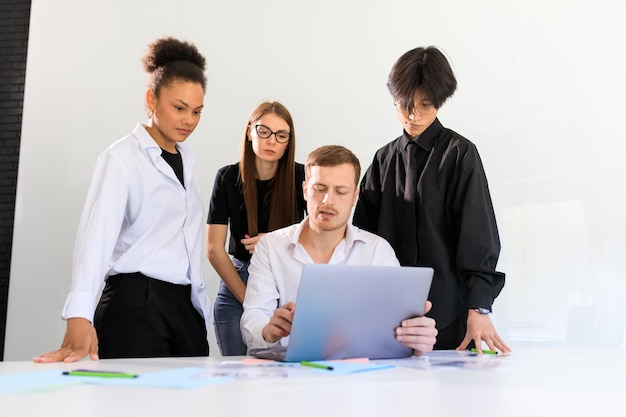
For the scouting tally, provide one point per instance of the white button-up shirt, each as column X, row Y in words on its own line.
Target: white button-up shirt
column 139, row 218
column 276, row 266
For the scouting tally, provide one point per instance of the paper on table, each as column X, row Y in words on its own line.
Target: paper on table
column 342, row 367
column 190, row 377
column 448, row 360
column 37, row 381
column 256, row 361
column 258, row 369
column 252, row 368
column 180, row 378
column 353, row 360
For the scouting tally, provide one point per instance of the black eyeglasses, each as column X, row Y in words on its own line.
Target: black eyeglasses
column 264, row 132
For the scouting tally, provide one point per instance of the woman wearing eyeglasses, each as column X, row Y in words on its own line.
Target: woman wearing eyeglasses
column 260, row 193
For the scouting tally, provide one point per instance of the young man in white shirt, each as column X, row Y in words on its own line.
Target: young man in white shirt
column 324, row 236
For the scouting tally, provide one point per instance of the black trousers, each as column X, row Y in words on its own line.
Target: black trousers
column 451, row 336
column 142, row 317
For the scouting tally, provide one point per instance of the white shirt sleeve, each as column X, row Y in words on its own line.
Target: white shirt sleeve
column 138, row 217
column 98, row 231
column 262, row 297
column 276, row 266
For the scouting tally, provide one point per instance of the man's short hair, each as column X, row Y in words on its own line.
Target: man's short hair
column 330, row 156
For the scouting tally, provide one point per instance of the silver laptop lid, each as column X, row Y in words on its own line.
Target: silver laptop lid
column 351, row 311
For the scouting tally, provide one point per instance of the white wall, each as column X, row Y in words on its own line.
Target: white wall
column 541, row 88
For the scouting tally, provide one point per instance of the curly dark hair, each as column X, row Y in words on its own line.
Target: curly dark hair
column 169, row 59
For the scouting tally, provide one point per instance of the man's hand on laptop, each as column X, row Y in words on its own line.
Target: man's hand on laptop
column 418, row 333
column 280, row 323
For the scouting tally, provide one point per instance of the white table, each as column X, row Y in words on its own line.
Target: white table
column 529, row 382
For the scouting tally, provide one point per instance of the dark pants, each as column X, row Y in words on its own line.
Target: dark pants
column 451, row 336
column 141, row 317
column 227, row 316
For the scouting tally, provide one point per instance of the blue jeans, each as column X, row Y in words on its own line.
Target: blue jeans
column 227, row 315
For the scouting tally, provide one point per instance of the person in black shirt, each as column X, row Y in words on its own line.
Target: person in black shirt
column 260, row 193
column 426, row 193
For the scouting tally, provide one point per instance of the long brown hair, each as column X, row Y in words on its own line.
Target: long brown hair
column 283, row 203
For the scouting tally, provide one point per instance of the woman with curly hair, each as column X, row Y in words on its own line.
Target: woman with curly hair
column 141, row 229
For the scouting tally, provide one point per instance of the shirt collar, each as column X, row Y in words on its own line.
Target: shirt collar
column 143, row 137
column 425, row 140
column 353, row 233
column 147, row 142
column 296, row 234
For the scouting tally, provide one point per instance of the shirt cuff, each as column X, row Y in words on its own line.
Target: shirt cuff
column 79, row 304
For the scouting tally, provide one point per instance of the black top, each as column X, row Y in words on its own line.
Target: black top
column 456, row 227
column 227, row 206
column 174, row 160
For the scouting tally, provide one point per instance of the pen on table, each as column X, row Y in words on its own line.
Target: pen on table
column 102, row 374
column 316, row 365
column 487, row 351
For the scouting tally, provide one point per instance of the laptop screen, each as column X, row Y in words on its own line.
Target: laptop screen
column 351, row 311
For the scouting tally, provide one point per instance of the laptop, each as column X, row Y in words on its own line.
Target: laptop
column 351, row 311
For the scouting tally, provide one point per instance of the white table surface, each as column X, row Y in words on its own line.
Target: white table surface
column 529, row 382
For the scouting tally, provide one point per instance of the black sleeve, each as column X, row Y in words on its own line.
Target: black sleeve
column 367, row 208
column 218, row 205
column 299, row 193
column 478, row 246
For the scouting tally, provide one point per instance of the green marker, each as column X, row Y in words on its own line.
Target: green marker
column 316, row 365
column 101, row 374
column 487, row 351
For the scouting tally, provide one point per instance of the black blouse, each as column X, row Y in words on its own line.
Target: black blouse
column 456, row 227
column 227, row 206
